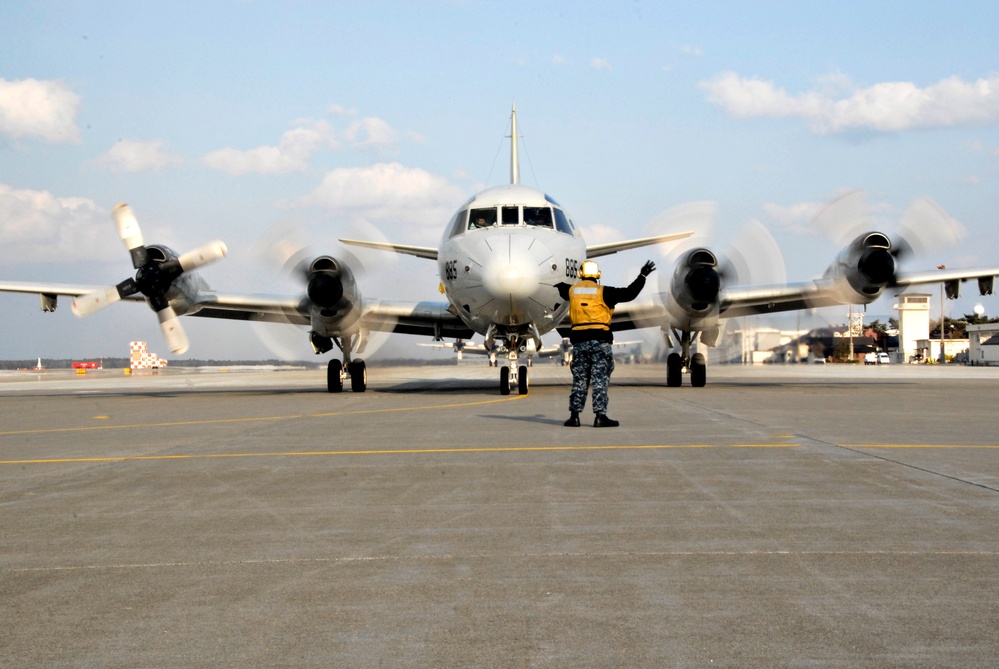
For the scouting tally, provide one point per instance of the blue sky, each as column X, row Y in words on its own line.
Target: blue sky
column 225, row 119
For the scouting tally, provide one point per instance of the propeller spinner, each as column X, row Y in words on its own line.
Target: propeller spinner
column 152, row 279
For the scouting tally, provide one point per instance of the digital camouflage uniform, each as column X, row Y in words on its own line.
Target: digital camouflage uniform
column 592, row 364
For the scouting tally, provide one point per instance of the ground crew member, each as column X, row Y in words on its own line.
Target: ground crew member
column 590, row 308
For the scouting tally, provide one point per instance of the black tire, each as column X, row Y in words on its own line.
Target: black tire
column 698, row 370
column 334, row 376
column 522, row 380
column 358, row 372
column 504, row 380
column 674, row 370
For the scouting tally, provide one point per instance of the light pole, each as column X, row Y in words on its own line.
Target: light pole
column 943, row 358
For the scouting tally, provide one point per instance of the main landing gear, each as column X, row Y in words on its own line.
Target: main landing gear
column 696, row 364
column 337, row 373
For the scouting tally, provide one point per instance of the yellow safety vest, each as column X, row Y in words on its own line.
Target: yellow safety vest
column 587, row 308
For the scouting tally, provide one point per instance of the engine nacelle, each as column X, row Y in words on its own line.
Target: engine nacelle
column 691, row 296
column 333, row 296
column 163, row 276
column 696, row 282
column 862, row 270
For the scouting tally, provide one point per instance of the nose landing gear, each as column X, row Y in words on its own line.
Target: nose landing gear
column 511, row 376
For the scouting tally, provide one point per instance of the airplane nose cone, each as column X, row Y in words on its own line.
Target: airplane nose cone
column 511, row 277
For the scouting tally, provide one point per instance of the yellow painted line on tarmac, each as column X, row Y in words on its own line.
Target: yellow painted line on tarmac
column 926, row 446
column 485, row 449
column 393, row 451
column 249, row 419
column 432, row 406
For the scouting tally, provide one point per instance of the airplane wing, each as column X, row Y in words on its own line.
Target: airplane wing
column 418, row 251
column 466, row 347
column 631, row 316
column 947, row 276
column 421, row 318
column 51, row 289
column 753, row 300
column 591, row 251
column 606, row 249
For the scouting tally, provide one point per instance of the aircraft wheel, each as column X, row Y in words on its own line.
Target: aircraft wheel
column 504, row 380
column 674, row 370
column 334, row 376
column 358, row 376
column 522, row 380
column 698, row 370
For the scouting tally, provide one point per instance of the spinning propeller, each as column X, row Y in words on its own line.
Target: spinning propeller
column 752, row 256
column 323, row 280
column 923, row 227
column 154, row 278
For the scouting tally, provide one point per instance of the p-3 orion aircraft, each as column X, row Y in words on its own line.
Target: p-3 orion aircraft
column 500, row 258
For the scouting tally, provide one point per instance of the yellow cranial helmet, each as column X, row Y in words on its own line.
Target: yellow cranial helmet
column 589, row 270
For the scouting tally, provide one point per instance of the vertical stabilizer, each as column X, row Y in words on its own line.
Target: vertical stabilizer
column 514, row 158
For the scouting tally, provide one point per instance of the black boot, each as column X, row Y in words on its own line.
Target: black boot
column 573, row 420
column 603, row 421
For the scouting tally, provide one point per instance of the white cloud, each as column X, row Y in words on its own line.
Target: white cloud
column 37, row 226
column 42, row 109
column 371, row 133
column 689, row 50
column 129, row 155
column 340, row 110
column 409, row 199
column 599, row 64
column 601, row 233
column 794, row 217
column 297, row 146
column 291, row 154
column 838, row 106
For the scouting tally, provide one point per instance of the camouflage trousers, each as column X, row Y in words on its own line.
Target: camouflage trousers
column 592, row 364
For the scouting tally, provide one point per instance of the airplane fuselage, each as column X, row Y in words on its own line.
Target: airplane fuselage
column 500, row 258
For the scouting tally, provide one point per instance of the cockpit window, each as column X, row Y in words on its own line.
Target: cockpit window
column 511, row 215
column 457, row 224
column 540, row 217
column 481, row 218
column 562, row 223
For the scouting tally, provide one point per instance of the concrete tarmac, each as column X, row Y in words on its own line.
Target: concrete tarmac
column 819, row 516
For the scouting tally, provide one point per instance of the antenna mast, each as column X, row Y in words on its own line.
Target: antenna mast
column 514, row 159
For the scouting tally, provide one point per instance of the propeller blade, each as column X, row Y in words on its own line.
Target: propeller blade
column 90, row 303
column 173, row 331
column 754, row 258
column 925, row 227
column 844, row 217
column 203, row 255
column 130, row 233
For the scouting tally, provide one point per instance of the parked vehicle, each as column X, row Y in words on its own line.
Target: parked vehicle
column 876, row 358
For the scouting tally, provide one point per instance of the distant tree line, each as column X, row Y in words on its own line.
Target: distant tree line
column 121, row 363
